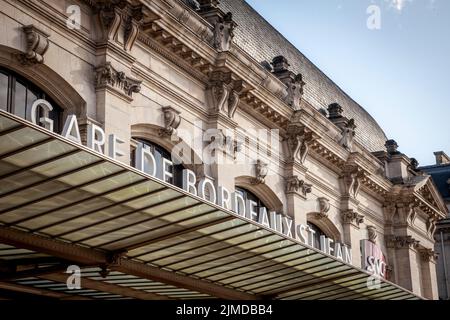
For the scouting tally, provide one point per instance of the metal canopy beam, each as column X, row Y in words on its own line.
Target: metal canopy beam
column 107, row 287
column 85, row 255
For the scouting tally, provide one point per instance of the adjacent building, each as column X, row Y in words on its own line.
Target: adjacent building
column 261, row 177
column 440, row 172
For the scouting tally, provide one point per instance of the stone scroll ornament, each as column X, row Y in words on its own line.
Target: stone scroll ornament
column 36, row 46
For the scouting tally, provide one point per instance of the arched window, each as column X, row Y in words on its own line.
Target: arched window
column 159, row 153
column 17, row 94
column 317, row 232
column 248, row 195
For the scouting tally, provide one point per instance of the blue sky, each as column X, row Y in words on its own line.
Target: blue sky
column 399, row 73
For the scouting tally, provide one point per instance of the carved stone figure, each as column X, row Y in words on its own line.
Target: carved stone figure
column 294, row 82
column 298, row 140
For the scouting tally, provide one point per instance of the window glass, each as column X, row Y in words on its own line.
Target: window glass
column 22, row 93
column 20, row 96
column 247, row 195
column 3, row 91
column 317, row 232
column 160, row 153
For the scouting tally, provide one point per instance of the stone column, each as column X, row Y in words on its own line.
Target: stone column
column 406, row 264
column 429, row 278
column 351, row 220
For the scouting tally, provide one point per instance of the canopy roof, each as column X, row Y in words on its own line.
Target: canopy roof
column 62, row 203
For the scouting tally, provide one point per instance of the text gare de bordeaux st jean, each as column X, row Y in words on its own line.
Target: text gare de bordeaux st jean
column 205, row 188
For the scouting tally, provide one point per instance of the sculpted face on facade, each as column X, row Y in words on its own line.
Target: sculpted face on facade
column 175, row 70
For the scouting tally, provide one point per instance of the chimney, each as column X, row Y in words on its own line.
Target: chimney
column 397, row 164
column 441, row 158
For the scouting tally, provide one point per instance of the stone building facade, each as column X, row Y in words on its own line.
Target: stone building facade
column 171, row 72
column 440, row 172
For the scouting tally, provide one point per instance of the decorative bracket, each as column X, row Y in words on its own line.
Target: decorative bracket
column 172, row 121
column 37, row 45
column 107, row 75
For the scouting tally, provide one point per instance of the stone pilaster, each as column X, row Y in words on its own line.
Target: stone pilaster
column 429, row 278
column 351, row 221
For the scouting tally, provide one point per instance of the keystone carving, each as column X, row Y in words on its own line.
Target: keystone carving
column 401, row 242
column 294, row 82
column 172, row 121
column 352, row 217
column 107, row 75
column 372, row 234
column 294, row 184
column 324, row 207
column 36, row 47
column 223, row 32
column 261, row 170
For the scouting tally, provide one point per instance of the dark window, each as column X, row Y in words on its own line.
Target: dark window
column 17, row 94
column 317, row 234
column 247, row 195
column 159, row 153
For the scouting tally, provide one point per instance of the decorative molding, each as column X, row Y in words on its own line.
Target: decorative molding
column 172, row 121
column 352, row 217
column 261, row 170
column 36, row 47
column 295, row 185
column 107, row 76
column 393, row 241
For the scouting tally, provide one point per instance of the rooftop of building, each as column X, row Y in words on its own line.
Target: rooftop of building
column 263, row 42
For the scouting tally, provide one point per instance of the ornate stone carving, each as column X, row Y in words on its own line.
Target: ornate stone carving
column 393, row 241
column 225, row 93
column 223, row 32
column 352, row 217
column 294, row 82
column 107, row 75
column 428, row 255
column 298, row 139
column 352, row 176
column 431, row 225
column 132, row 22
column 391, row 147
column 172, row 121
column 324, row 207
column 109, row 18
column 372, row 233
column 348, row 134
column 261, row 170
column 36, row 47
column 294, row 184
column 116, row 14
